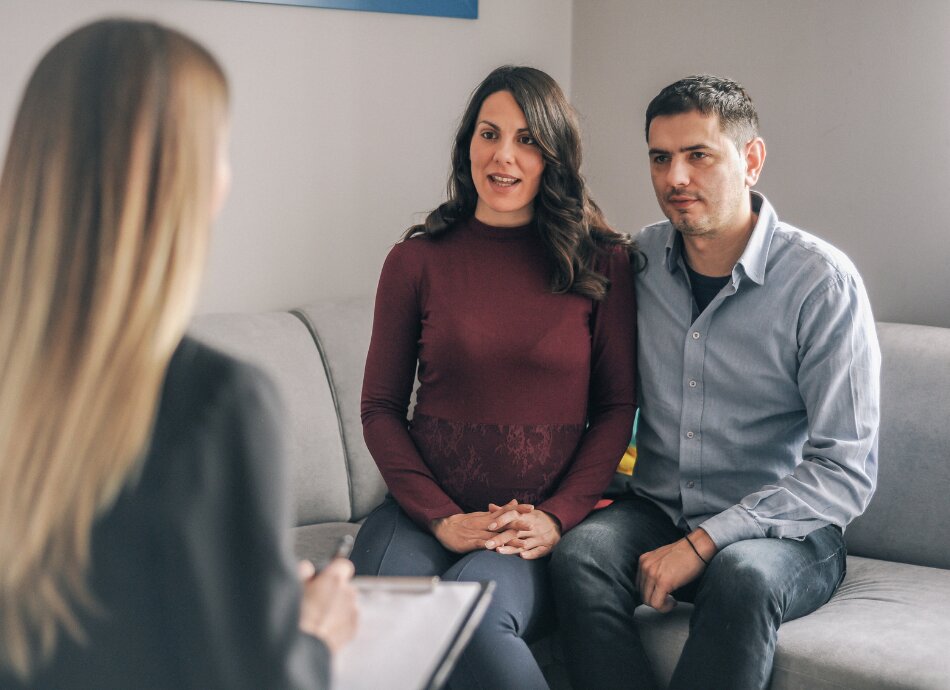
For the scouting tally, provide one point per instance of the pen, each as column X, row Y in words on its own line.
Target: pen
column 407, row 585
column 343, row 549
column 344, row 546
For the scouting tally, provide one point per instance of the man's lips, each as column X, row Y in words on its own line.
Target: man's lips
column 680, row 201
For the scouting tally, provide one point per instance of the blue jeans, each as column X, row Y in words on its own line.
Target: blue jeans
column 747, row 591
column 389, row 543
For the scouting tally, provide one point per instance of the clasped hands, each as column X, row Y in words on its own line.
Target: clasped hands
column 514, row 528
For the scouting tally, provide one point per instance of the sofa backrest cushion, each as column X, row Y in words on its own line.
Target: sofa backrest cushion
column 342, row 332
column 281, row 345
column 908, row 519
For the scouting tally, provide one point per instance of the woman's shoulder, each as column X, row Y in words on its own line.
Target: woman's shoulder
column 210, row 403
column 410, row 255
column 200, row 375
column 613, row 257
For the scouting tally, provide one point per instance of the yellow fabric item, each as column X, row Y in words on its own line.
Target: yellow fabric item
column 628, row 460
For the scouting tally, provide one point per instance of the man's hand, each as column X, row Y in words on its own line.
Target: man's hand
column 466, row 532
column 328, row 606
column 669, row 567
column 535, row 533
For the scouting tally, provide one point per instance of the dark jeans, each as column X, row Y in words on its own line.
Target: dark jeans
column 389, row 543
column 747, row 591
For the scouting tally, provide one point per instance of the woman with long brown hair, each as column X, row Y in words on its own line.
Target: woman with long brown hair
column 142, row 517
column 514, row 303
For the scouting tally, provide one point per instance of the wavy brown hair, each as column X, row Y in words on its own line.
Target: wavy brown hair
column 572, row 227
column 105, row 207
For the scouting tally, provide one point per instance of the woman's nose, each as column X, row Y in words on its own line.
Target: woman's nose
column 504, row 152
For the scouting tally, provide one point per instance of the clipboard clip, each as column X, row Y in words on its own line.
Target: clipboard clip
column 400, row 585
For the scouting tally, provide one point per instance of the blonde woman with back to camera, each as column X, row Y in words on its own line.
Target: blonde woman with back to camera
column 143, row 526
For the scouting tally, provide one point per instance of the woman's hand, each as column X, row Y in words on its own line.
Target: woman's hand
column 328, row 607
column 465, row 532
column 536, row 534
column 504, row 516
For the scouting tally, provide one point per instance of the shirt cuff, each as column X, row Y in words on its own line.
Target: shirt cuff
column 732, row 525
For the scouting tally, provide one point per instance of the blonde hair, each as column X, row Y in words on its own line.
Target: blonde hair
column 105, row 208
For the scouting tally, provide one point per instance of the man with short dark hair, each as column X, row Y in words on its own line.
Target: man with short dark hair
column 759, row 390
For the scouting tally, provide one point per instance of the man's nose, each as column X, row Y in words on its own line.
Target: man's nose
column 678, row 173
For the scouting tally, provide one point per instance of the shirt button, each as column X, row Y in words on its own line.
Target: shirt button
column 692, row 384
column 690, row 434
column 695, row 335
column 690, row 484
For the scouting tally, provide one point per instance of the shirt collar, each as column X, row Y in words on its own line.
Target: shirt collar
column 674, row 248
column 756, row 253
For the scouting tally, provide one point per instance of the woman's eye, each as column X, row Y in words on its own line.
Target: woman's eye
column 487, row 134
column 527, row 140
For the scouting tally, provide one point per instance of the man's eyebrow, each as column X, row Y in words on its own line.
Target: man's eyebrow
column 694, row 147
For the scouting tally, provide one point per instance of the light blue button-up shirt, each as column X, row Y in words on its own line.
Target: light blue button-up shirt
column 759, row 416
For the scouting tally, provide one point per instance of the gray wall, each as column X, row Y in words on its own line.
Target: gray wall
column 342, row 123
column 854, row 101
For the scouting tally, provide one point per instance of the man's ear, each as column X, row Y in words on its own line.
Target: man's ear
column 754, row 160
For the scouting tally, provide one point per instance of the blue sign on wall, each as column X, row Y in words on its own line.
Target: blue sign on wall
column 464, row 9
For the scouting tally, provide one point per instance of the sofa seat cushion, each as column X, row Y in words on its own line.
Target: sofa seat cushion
column 318, row 542
column 885, row 627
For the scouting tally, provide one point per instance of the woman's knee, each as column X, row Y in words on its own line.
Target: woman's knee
column 374, row 537
column 389, row 543
column 521, row 600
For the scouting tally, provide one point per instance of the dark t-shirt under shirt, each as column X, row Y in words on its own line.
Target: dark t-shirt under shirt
column 705, row 288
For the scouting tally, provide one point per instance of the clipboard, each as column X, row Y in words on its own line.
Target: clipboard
column 411, row 632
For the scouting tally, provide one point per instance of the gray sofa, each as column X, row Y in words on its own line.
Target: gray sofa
column 888, row 626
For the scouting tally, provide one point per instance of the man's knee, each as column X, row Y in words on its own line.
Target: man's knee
column 588, row 556
column 743, row 575
column 581, row 547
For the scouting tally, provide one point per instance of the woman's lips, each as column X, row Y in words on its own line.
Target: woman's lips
column 502, row 181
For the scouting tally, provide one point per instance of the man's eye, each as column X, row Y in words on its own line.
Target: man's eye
column 659, row 160
column 696, row 155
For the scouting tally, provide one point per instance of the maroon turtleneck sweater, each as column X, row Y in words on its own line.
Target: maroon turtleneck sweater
column 522, row 393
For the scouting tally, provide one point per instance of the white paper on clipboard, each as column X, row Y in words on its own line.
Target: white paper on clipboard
column 409, row 640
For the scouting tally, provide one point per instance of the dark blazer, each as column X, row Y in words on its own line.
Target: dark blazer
column 192, row 566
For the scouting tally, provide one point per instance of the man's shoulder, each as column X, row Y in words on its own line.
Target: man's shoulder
column 807, row 255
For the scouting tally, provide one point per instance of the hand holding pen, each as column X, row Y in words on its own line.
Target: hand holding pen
column 328, row 606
